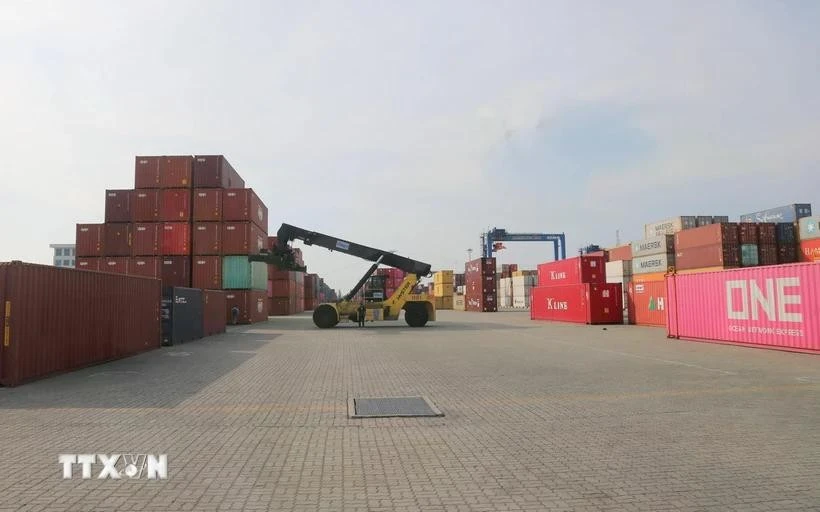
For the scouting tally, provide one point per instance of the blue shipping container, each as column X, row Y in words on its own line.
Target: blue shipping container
column 790, row 213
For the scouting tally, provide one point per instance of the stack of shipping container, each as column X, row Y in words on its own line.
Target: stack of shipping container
column 480, row 285
column 809, row 233
column 522, row 283
column 443, row 289
column 393, row 279
column 311, row 292
column 619, row 271
column 575, row 290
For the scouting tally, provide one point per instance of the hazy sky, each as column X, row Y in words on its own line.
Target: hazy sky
column 414, row 126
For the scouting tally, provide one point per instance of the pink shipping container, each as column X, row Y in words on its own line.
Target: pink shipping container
column 770, row 307
column 43, row 336
column 578, row 270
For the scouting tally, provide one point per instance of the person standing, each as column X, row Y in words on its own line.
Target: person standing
column 362, row 311
column 234, row 315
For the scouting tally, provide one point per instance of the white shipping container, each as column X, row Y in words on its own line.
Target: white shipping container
column 652, row 263
column 521, row 302
column 669, row 226
column 521, row 281
column 618, row 269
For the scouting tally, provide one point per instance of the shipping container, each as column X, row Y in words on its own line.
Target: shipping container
column 598, row 303
column 810, row 251
column 618, row 268
column 669, row 226
column 622, row 252
column 213, row 312
column 713, row 234
column 749, row 256
column 647, row 303
column 646, row 278
column 251, row 304
column 214, row 171
column 727, row 256
column 207, row 205
column 44, row 336
column 244, row 205
column 176, row 171
column 748, row 233
column 145, row 206
column 176, row 271
column 147, row 174
column 767, row 233
column 181, row 315
column 786, row 233
column 459, row 303
column 114, row 265
column 788, row 254
column 772, row 306
column 89, row 240
column 703, row 220
column 242, row 238
column 117, row 239
column 175, row 205
column 809, row 228
column 281, row 306
column 652, row 264
column 147, row 239
column 207, row 272
column 240, row 274
column 486, row 265
column 767, row 254
column 176, row 239
column 483, row 303
column 145, row 266
column 720, row 219
column 663, row 244
column 578, row 270
column 118, row 205
column 85, row 263
column 789, row 213
column 207, row 238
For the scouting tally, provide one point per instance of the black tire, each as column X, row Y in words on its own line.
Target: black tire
column 416, row 315
column 325, row 316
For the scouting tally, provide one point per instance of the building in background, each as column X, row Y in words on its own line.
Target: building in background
column 64, row 255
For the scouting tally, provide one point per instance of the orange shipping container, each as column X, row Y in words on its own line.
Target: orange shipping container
column 647, row 303
column 810, row 250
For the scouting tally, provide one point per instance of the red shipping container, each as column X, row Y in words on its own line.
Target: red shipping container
column 486, row 265
column 175, row 271
column 117, row 239
column 280, row 307
column 147, row 239
column 214, row 171
column 242, row 204
column 252, row 305
column 767, row 233
column 147, row 173
column 622, row 252
column 89, row 240
column 810, row 251
column 774, row 306
column 114, row 265
column 83, row 263
column 44, row 336
column 118, row 205
column 748, row 233
column 207, row 272
column 213, row 312
column 726, row 233
column 175, row 205
column 176, row 171
column 578, row 303
column 145, row 206
column 577, row 270
column 647, row 303
column 280, row 288
column 176, row 239
column 240, row 238
column 705, row 256
column 207, row 238
column 208, row 205
column 271, row 242
column 144, row 266
column 485, row 303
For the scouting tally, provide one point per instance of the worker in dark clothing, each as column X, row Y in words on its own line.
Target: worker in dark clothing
column 234, row 315
column 362, row 311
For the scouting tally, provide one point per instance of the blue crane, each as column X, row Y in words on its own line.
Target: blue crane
column 491, row 241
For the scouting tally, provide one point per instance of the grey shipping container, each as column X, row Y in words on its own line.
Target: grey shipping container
column 703, row 220
column 720, row 219
column 809, row 228
column 654, row 245
column 789, row 213
column 669, row 226
column 786, row 233
column 652, row 263
column 181, row 314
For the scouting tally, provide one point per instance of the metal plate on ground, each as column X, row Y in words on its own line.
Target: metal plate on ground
column 389, row 407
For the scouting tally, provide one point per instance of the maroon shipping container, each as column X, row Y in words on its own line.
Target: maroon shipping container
column 118, row 205
column 214, row 171
column 208, row 205
column 240, row 238
column 486, row 265
column 787, row 254
column 767, row 254
column 146, row 173
column 176, row 239
column 578, row 270
column 146, row 239
column 175, row 205
column 579, row 303
column 117, row 265
column 688, row 258
column 213, row 312
column 117, row 239
column 207, row 272
column 767, row 233
column 144, row 266
column 175, row 271
column 242, row 204
column 89, row 240
column 726, row 233
column 176, row 171
column 748, row 233
column 622, row 252
column 207, row 238
column 252, row 305
column 83, row 263
column 280, row 306
column 44, row 336
column 485, row 303
column 145, row 206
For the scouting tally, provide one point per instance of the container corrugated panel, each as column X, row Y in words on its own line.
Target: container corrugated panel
column 115, row 265
column 145, row 267
column 145, row 206
column 176, row 239
column 703, row 220
column 207, row 238
column 767, row 233
column 85, row 263
column 652, row 264
column 708, row 256
column 578, row 270
column 98, row 317
column 483, row 303
column 208, row 205
column 181, row 315
column 748, row 233
column 214, row 171
column 669, row 226
column 89, row 240
column 147, row 174
column 252, row 304
column 117, row 239
column 118, row 205
column 647, row 303
column 768, row 254
column 244, row 205
column 809, row 228
column 772, row 306
column 749, row 256
column 213, row 312
column 810, row 250
column 175, row 271
column 622, row 252
column 578, row 303
column 726, row 233
column 788, row 213
column 240, row 274
column 147, row 239
column 720, row 219
column 242, row 238
column 664, row 244
column 618, row 268
column 786, row 233
column 176, row 171
column 207, row 272
column 788, row 254
column 175, row 205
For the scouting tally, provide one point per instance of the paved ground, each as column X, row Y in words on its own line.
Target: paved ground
column 537, row 417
